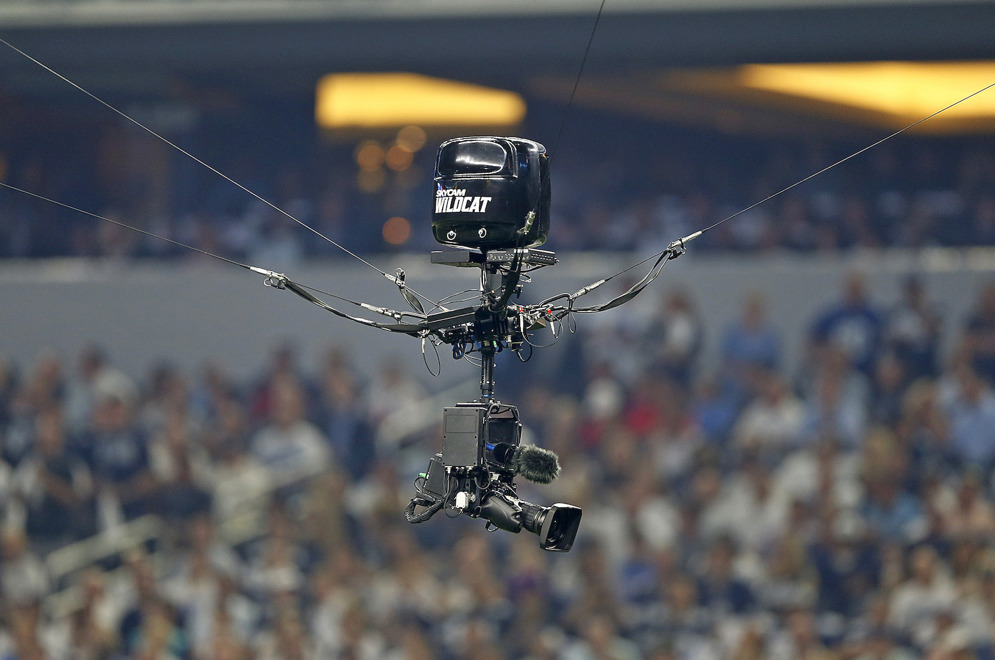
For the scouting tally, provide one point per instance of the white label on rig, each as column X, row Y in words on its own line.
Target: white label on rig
column 455, row 200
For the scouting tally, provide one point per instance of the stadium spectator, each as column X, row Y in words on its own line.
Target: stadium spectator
column 925, row 594
column 847, row 567
column 392, row 398
column 972, row 421
column 979, row 335
column 719, row 588
column 674, row 338
column 965, row 512
column 239, row 478
column 289, row 446
column 893, row 513
column 924, row 430
column 150, row 625
column 341, row 411
column 772, row 422
column 888, row 385
column 181, row 468
column 912, row 331
column 853, row 325
column 55, row 486
column 600, row 639
column 284, row 367
column 799, row 639
column 714, row 408
column 837, row 405
column 23, row 578
column 747, row 508
column 40, row 392
column 80, row 393
column 116, row 451
column 751, row 347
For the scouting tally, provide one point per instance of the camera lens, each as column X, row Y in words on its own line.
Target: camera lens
column 556, row 525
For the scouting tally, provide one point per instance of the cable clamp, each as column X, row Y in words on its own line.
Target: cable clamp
column 273, row 279
column 679, row 247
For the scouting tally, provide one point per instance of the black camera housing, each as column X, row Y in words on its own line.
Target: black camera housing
column 491, row 193
column 472, row 432
column 474, row 475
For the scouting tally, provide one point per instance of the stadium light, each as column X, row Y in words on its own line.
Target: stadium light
column 899, row 93
column 384, row 100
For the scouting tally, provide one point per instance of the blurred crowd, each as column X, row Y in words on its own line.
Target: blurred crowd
column 619, row 187
column 841, row 512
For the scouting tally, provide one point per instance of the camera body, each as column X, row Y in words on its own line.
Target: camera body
column 491, row 193
column 474, row 475
column 473, row 432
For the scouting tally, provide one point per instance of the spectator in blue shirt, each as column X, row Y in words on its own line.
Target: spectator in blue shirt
column 972, row 421
column 979, row 339
column 853, row 325
column 117, row 450
column 750, row 345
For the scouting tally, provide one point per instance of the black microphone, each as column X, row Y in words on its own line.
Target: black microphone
column 536, row 464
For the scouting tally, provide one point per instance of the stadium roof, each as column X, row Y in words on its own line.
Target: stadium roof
column 284, row 47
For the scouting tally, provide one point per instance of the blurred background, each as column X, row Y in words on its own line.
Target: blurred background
column 783, row 449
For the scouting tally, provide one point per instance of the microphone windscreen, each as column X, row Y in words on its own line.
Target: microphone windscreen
column 536, row 464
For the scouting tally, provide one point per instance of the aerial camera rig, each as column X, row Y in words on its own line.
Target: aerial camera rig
column 492, row 205
column 492, row 200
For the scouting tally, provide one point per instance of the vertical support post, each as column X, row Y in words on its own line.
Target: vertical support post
column 491, row 281
column 487, row 372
